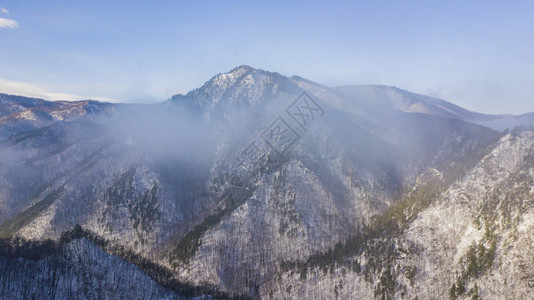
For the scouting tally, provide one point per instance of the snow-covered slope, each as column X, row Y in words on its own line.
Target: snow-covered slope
column 19, row 114
column 388, row 97
column 80, row 271
column 471, row 240
column 242, row 86
column 341, row 211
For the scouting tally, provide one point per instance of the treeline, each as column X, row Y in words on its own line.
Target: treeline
column 35, row 250
column 28, row 249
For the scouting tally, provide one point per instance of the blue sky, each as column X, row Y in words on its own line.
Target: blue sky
column 478, row 54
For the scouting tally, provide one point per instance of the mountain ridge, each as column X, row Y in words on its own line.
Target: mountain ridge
column 226, row 86
column 341, row 205
column 394, row 97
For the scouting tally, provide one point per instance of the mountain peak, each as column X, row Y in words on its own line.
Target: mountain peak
column 242, row 68
column 243, row 85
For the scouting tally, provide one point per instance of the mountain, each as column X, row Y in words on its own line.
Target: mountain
column 243, row 85
column 410, row 102
column 71, row 273
column 392, row 97
column 258, row 185
column 19, row 113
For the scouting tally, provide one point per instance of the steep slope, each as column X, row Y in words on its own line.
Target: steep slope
column 471, row 240
column 76, row 266
column 315, row 199
column 485, row 227
column 80, row 270
column 173, row 183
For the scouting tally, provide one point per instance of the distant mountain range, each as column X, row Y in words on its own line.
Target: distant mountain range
column 258, row 185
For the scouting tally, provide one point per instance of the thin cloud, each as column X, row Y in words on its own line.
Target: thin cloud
column 28, row 90
column 4, row 10
column 8, row 23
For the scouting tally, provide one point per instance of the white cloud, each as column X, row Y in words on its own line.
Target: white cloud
column 4, row 10
column 28, row 90
column 8, row 23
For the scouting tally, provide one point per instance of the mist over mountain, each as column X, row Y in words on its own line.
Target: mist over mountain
column 258, row 185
